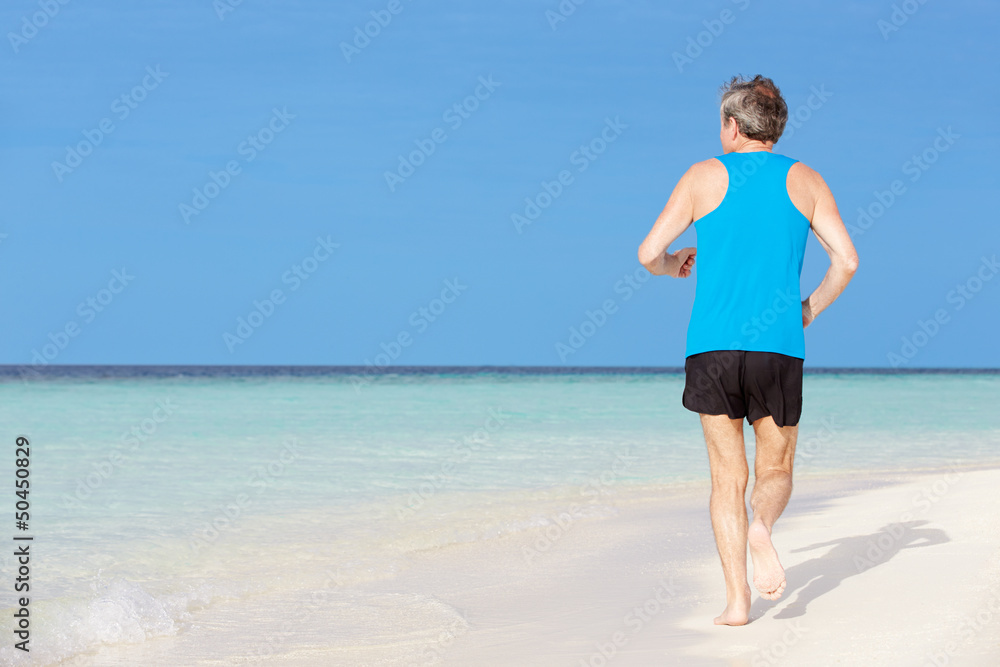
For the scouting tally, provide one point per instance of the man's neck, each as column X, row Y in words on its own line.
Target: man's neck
column 753, row 145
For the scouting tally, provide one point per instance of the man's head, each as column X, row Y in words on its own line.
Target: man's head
column 751, row 109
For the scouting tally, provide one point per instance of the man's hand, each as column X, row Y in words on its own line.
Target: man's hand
column 682, row 263
column 807, row 314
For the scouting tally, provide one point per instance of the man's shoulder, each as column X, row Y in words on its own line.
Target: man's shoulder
column 803, row 178
column 711, row 165
column 802, row 171
column 805, row 188
column 708, row 170
column 706, row 182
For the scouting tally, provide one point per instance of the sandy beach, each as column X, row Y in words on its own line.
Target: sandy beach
column 884, row 570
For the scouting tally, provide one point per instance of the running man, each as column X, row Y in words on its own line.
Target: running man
column 752, row 210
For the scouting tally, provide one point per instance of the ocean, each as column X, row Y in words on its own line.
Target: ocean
column 158, row 493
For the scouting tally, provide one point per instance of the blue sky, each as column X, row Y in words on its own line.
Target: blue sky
column 278, row 140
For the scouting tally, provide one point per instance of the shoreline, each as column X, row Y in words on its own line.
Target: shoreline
column 893, row 562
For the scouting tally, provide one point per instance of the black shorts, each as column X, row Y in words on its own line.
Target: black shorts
column 741, row 384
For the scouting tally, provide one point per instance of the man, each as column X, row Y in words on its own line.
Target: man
column 752, row 210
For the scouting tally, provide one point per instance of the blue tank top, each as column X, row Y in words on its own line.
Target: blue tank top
column 749, row 262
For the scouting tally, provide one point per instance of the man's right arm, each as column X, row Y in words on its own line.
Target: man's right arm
column 832, row 235
column 675, row 218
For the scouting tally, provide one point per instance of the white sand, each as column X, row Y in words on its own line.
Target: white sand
column 880, row 572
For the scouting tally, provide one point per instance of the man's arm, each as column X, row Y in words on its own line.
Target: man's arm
column 673, row 220
column 833, row 236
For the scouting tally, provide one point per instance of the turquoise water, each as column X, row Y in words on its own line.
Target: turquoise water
column 138, row 480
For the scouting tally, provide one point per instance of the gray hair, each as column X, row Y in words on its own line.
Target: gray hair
column 757, row 105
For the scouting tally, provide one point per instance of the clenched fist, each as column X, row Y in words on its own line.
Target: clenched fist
column 685, row 262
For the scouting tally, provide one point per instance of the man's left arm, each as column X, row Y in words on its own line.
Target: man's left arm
column 673, row 220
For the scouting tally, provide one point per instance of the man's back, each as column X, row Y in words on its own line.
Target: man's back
column 751, row 242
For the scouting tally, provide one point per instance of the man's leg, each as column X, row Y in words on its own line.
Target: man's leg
column 728, row 461
column 771, row 491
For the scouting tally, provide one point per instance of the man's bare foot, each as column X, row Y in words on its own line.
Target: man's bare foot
column 768, row 575
column 737, row 611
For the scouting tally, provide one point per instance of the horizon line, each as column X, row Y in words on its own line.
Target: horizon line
column 373, row 370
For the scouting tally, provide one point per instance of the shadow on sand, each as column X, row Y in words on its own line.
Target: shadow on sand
column 849, row 557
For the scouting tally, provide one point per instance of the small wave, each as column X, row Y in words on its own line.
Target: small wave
column 118, row 611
